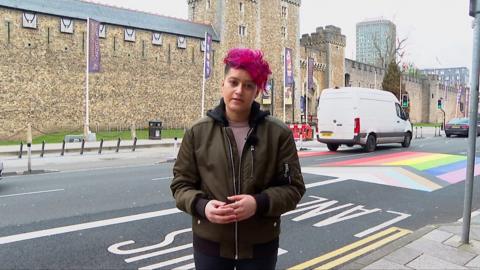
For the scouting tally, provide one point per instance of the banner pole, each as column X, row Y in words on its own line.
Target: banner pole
column 203, row 78
column 86, row 124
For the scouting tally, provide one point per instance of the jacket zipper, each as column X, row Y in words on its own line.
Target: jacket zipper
column 234, row 189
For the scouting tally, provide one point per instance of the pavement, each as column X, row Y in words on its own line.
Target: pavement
column 431, row 247
column 436, row 246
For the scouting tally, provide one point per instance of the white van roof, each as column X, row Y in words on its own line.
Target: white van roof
column 360, row 91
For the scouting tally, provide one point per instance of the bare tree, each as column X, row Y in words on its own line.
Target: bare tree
column 392, row 50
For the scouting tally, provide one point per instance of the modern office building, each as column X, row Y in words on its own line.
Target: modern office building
column 376, row 42
column 450, row 76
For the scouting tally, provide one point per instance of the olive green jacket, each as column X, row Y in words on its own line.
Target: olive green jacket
column 208, row 167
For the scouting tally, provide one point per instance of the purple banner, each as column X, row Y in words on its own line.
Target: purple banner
column 288, row 67
column 310, row 73
column 459, row 94
column 93, row 46
column 208, row 49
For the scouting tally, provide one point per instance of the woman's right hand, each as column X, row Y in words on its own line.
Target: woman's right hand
column 219, row 212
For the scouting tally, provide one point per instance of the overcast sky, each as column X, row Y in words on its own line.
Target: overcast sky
column 439, row 32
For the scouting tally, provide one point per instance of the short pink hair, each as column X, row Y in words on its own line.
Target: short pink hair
column 251, row 61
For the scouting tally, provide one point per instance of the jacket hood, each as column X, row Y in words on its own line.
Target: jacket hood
column 256, row 115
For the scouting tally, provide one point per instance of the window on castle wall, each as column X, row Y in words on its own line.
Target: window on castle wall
column 241, row 7
column 284, row 12
column 242, row 30
column 208, row 4
column 284, row 32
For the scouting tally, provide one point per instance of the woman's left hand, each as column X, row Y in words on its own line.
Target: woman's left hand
column 244, row 206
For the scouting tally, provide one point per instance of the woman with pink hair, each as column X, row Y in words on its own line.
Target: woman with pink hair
column 237, row 172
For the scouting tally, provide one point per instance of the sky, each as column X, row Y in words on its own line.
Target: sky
column 439, row 32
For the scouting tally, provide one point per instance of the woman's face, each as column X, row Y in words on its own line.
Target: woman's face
column 239, row 91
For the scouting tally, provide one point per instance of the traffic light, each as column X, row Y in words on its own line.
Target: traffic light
column 439, row 103
column 404, row 100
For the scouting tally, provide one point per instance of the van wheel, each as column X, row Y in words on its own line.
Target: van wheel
column 350, row 145
column 407, row 139
column 371, row 143
column 332, row 147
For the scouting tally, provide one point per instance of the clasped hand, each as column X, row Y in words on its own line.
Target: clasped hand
column 242, row 207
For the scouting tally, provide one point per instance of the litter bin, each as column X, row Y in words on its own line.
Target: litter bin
column 154, row 130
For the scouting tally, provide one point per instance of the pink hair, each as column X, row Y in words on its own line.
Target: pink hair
column 251, row 61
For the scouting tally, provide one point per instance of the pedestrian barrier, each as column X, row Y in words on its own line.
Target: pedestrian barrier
column 43, row 149
column 301, row 130
column 21, row 150
column 83, row 148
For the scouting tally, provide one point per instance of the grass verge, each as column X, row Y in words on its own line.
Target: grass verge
column 142, row 134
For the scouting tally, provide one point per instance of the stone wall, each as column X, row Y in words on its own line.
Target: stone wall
column 423, row 92
column 42, row 76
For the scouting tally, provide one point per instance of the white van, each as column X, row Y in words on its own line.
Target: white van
column 355, row 115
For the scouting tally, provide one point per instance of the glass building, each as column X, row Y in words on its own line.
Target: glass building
column 375, row 37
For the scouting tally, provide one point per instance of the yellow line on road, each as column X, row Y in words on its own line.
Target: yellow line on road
column 364, row 250
column 340, row 251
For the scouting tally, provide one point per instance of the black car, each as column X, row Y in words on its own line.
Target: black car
column 458, row 126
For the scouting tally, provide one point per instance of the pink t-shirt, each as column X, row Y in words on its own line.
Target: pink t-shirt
column 240, row 131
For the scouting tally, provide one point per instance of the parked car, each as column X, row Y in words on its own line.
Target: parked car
column 459, row 126
column 361, row 116
column 1, row 169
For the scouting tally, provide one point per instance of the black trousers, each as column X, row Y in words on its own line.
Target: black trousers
column 206, row 262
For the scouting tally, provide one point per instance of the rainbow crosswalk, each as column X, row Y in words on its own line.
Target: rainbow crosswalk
column 413, row 170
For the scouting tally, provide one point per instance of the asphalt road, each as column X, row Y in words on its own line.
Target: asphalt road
column 102, row 216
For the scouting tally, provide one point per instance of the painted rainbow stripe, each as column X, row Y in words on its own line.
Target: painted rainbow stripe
column 449, row 168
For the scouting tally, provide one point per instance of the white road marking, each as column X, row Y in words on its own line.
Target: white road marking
column 85, row 226
column 326, row 182
column 474, row 214
column 383, row 225
column 29, row 193
column 158, row 253
column 167, row 263
column 185, row 267
column 281, row 251
column 169, row 238
column 162, row 178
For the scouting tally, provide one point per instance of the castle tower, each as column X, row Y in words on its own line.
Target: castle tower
column 327, row 48
column 268, row 25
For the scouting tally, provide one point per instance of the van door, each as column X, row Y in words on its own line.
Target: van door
column 335, row 115
column 400, row 123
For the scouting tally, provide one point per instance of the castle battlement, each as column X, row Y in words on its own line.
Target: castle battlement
column 330, row 34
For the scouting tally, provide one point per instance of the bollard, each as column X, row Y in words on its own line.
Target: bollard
column 134, row 144
column 101, row 146
column 118, row 145
column 83, row 146
column 21, row 150
column 421, row 132
column 43, row 149
column 300, row 142
column 416, row 132
column 29, row 155
column 63, row 148
column 175, row 148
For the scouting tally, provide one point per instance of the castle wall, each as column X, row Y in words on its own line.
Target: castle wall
column 42, row 75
